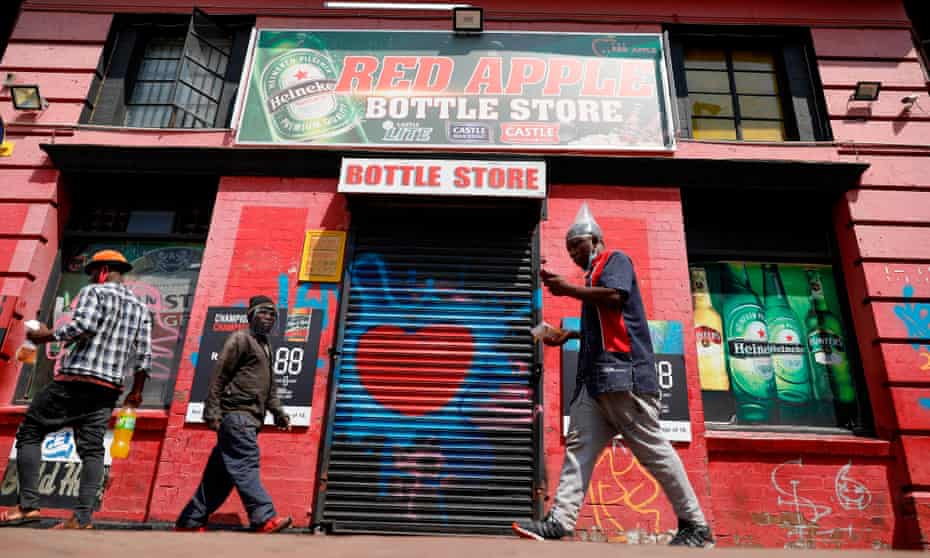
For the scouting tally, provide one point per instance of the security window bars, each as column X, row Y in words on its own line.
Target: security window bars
column 180, row 79
column 169, row 71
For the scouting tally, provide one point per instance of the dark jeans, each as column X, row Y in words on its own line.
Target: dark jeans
column 86, row 408
column 233, row 463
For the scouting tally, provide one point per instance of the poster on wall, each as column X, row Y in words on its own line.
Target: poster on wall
column 59, row 472
column 668, row 347
column 771, row 344
column 295, row 343
column 506, row 91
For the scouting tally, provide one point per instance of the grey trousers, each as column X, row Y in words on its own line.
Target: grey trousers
column 593, row 424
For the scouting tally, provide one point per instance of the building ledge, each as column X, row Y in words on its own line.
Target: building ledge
column 776, row 442
column 696, row 171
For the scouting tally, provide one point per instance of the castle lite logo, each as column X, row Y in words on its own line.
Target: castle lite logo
column 297, row 94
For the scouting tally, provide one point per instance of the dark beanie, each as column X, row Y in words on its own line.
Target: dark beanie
column 260, row 300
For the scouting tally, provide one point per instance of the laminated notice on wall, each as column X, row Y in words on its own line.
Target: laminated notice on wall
column 322, row 258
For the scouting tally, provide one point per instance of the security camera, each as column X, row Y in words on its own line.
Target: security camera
column 909, row 99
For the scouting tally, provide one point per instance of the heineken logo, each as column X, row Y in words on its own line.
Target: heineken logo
column 787, row 349
column 825, row 341
column 300, row 91
column 742, row 348
column 298, row 94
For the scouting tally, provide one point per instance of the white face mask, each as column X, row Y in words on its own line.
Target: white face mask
column 592, row 257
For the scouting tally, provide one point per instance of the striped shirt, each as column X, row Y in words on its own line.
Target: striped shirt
column 110, row 331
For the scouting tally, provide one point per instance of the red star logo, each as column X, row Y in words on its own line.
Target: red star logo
column 761, row 333
column 790, row 337
column 301, row 75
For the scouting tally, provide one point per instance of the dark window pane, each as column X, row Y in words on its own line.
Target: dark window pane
column 759, row 107
column 707, row 82
column 757, row 60
column 711, row 105
column 151, row 222
column 705, row 58
column 763, row 84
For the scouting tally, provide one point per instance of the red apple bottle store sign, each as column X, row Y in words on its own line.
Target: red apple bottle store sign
column 498, row 91
column 439, row 177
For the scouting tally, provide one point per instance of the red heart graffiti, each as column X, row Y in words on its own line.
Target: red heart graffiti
column 414, row 373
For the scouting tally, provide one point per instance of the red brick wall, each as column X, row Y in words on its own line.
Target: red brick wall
column 255, row 245
column 796, row 501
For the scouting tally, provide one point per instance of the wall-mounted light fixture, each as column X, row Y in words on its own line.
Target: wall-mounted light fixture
column 468, row 20
column 27, row 97
column 866, row 91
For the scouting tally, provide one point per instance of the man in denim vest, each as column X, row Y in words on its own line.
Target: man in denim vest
column 617, row 389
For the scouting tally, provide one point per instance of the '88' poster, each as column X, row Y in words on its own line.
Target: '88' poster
column 294, row 342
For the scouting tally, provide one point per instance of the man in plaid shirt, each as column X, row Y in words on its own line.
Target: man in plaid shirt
column 110, row 331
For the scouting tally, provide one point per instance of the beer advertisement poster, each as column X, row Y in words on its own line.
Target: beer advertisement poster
column 501, row 91
column 772, row 345
column 294, row 341
column 59, row 472
column 669, row 348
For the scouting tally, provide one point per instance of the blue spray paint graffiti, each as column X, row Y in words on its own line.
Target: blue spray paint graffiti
column 327, row 297
column 435, row 375
column 916, row 318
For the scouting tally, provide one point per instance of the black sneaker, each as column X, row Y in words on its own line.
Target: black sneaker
column 693, row 535
column 547, row 528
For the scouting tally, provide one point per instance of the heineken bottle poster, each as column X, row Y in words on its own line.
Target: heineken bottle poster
column 506, row 91
column 771, row 344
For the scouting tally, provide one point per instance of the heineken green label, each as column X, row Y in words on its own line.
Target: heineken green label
column 789, row 360
column 748, row 339
column 826, row 347
column 750, row 358
column 297, row 90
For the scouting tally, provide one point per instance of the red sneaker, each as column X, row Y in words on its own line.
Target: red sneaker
column 201, row 529
column 274, row 525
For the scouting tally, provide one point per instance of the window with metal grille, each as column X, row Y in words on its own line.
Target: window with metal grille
column 160, row 225
column 750, row 84
column 170, row 72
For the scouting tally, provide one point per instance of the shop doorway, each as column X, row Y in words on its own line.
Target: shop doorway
column 431, row 425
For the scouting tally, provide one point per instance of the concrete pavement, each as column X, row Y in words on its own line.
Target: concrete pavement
column 42, row 543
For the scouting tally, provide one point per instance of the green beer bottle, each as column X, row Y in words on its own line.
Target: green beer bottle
column 789, row 351
column 749, row 357
column 832, row 380
column 295, row 75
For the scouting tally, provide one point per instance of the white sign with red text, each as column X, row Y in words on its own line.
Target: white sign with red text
column 439, row 177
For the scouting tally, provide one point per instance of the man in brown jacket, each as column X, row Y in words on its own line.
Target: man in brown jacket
column 241, row 390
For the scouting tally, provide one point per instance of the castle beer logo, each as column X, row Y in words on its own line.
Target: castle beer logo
column 299, row 99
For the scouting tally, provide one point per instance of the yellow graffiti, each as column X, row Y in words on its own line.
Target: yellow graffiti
column 926, row 365
column 614, row 484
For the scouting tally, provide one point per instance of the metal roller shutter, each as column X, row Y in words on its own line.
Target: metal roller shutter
column 433, row 426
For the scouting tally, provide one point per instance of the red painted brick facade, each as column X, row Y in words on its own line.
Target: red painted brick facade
column 793, row 490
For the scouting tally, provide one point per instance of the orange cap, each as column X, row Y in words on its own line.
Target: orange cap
column 112, row 258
